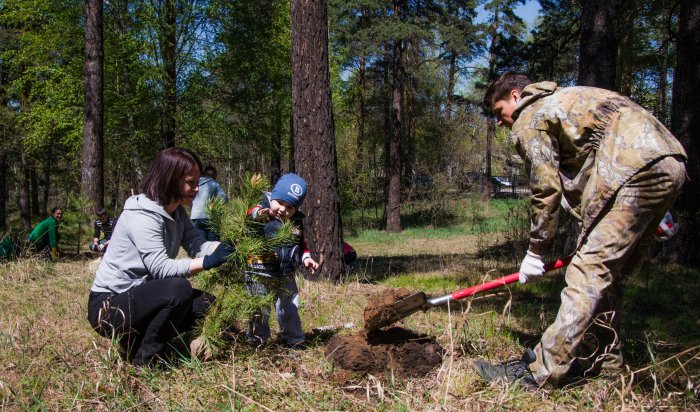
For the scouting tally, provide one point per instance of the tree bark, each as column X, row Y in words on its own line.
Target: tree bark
column 361, row 114
column 315, row 153
column 598, row 44
column 408, row 109
column 34, row 192
column 93, row 156
column 25, row 212
column 661, row 110
column 393, row 202
column 490, row 132
column 450, row 87
column 685, row 118
column 3, row 191
column 490, row 126
column 168, row 50
column 4, row 149
column 46, row 179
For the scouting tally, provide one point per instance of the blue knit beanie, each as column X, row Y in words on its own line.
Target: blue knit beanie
column 291, row 189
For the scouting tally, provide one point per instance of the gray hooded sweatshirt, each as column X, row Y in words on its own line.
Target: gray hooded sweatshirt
column 144, row 245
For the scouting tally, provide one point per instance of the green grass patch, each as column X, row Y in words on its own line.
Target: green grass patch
column 470, row 216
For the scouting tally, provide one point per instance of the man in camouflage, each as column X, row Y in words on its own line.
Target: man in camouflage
column 617, row 170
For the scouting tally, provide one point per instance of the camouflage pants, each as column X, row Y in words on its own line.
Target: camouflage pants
column 584, row 337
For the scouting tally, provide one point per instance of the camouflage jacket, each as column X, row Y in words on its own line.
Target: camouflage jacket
column 581, row 143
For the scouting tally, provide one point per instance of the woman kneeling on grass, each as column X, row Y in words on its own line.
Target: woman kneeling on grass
column 140, row 295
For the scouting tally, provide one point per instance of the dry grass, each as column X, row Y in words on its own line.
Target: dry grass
column 51, row 359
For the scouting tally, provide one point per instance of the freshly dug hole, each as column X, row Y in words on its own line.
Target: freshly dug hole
column 402, row 351
column 380, row 308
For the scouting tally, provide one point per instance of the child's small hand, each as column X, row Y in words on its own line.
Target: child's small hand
column 311, row 264
column 263, row 215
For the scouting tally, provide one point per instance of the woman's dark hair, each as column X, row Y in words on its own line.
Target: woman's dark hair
column 162, row 183
column 55, row 209
column 209, row 171
column 500, row 87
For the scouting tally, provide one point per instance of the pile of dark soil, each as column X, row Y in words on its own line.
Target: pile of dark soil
column 402, row 351
column 380, row 309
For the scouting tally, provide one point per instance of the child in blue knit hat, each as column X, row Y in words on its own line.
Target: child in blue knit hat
column 277, row 206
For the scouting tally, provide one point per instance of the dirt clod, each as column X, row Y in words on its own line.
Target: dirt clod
column 380, row 310
column 405, row 353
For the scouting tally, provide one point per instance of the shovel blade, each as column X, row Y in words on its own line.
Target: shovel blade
column 397, row 311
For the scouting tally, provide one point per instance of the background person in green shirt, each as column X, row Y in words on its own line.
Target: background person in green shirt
column 45, row 234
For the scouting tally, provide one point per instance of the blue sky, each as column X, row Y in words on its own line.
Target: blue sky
column 528, row 12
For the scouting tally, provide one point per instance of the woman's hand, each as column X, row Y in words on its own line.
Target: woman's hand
column 218, row 257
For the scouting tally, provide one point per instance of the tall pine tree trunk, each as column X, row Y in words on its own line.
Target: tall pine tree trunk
column 598, row 44
column 4, row 149
column 661, row 110
column 116, row 193
column 410, row 101
column 168, row 50
column 490, row 126
column 25, row 212
column 315, row 154
column 34, row 192
column 450, row 87
column 685, row 118
column 93, row 156
column 490, row 133
column 361, row 115
column 133, row 173
column 46, row 179
column 393, row 201
column 386, row 76
column 3, row 190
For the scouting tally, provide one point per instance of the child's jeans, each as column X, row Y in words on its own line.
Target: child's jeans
column 287, row 308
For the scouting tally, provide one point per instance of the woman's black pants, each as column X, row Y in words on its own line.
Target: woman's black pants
column 146, row 317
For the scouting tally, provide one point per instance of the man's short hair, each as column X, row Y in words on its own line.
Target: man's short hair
column 100, row 212
column 162, row 183
column 500, row 87
column 209, row 171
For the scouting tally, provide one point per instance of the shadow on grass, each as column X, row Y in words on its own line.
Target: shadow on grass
column 502, row 257
column 377, row 268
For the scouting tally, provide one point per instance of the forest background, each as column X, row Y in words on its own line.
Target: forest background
column 406, row 81
column 378, row 105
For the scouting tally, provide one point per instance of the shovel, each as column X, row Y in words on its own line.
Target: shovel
column 418, row 301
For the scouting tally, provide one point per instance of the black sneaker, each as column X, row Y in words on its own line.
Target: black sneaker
column 512, row 371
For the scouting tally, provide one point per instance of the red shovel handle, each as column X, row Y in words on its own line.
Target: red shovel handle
column 463, row 293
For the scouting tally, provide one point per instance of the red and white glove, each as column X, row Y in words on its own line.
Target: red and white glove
column 532, row 267
column 667, row 228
